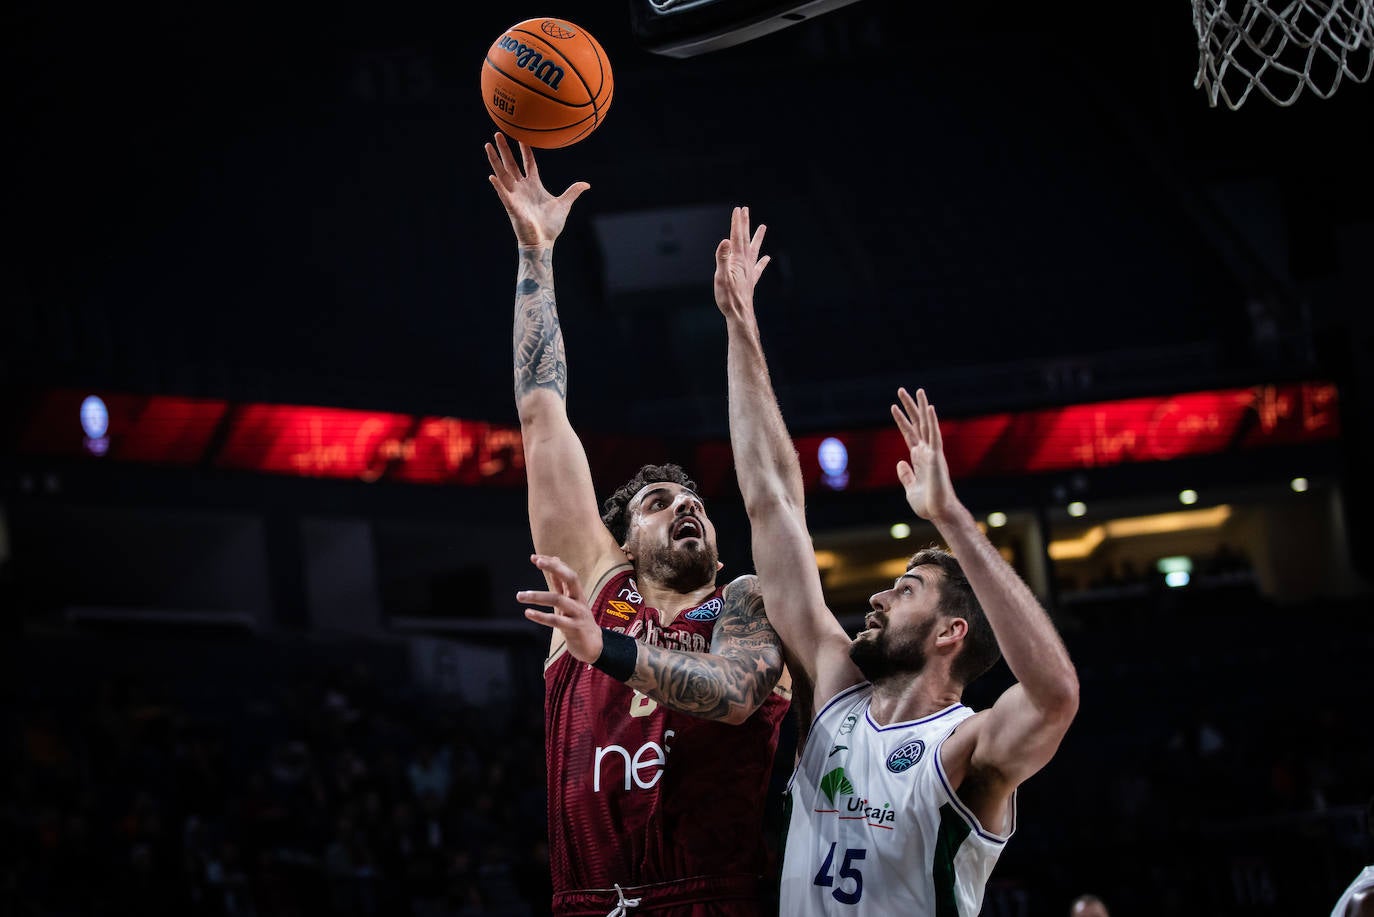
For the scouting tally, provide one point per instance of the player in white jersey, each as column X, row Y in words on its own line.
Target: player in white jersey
column 868, row 804
column 902, row 798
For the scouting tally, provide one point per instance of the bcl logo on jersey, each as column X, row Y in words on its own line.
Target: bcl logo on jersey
column 906, row 756
column 707, row 611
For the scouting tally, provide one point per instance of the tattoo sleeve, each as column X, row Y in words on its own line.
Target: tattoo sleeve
column 732, row 680
column 538, row 346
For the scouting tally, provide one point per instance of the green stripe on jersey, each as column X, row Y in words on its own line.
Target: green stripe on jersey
column 953, row 830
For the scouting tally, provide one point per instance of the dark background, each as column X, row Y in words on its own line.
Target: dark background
column 1014, row 205
column 293, row 202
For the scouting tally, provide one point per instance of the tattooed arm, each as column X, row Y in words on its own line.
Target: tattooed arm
column 564, row 517
column 729, row 683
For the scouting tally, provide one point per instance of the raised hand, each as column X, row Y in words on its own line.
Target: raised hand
column 738, row 266
column 536, row 215
column 571, row 614
column 926, row 477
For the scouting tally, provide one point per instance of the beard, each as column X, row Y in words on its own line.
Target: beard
column 681, row 569
column 884, row 654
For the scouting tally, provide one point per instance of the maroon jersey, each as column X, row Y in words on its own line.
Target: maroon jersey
column 666, row 805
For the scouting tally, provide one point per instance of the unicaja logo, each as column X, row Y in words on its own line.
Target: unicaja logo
column 859, row 808
column 526, row 58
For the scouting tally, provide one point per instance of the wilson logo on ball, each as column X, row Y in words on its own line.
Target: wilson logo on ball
column 527, row 58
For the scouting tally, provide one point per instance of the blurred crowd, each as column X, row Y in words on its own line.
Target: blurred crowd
column 1216, row 767
column 327, row 798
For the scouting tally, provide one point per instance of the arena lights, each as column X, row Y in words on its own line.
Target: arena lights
column 1186, row 520
column 95, row 423
column 1077, row 508
column 891, row 569
column 1177, row 570
column 1183, row 520
column 95, row 416
column 1299, row 485
column 900, row 530
column 1175, row 564
column 1078, row 548
column 833, row 458
column 1187, row 497
column 997, row 520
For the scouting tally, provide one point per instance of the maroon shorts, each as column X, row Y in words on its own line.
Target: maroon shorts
column 699, row 896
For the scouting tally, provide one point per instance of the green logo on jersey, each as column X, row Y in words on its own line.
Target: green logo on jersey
column 836, row 783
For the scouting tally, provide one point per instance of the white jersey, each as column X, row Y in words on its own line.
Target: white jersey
column 874, row 827
column 1362, row 883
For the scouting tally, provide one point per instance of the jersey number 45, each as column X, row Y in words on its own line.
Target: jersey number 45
column 846, row 872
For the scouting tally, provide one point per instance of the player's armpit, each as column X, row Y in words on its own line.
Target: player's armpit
column 1011, row 740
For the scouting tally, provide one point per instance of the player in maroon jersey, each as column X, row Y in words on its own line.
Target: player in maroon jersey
column 661, row 708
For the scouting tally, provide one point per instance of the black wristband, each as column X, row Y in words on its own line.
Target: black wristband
column 619, row 653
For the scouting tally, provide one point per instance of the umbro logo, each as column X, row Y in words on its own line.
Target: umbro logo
column 620, row 610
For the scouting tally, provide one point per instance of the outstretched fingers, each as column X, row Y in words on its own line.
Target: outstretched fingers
column 903, row 414
column 502, row 159
column 548, row 619
column 744, row 242
column 557, row 600
column 559, row 617
column 740, row 238
column 917, row 420
column 917, row 409
column 527, row 159
column 739, row 228
column 906, row 475
column 497, row 166
column 567, row 609
column 723, row 254
column 922, row 415
column 504, row 176
column 574, row 191
column 563, row 577
column 937, row 441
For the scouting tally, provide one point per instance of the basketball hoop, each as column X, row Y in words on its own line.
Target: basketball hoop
column 1281, row 49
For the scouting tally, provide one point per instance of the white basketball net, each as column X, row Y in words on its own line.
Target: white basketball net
column 1281, row 47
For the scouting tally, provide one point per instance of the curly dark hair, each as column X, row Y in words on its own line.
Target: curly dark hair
column 614, row 509
column 957, row 600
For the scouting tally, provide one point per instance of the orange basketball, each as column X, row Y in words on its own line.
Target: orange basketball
column 547, row 82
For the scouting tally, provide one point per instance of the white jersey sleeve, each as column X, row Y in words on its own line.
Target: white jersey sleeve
column 1361, row 883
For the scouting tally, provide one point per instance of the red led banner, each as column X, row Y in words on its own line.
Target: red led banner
column 1096, row 435
column 159, row 430
column 319, row 442
column 368, row 445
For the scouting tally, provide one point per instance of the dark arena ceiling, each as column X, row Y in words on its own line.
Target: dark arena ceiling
column 1011, row 206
